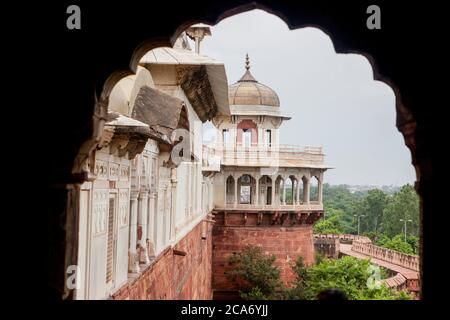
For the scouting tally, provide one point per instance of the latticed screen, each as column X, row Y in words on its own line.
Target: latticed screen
column 110, row 250
column 245, row 194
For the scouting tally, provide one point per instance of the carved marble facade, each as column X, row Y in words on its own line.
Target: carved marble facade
column 139, row 200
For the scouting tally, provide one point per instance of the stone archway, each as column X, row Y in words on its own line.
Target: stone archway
column 246, row 189
column 265, row 186
column 95, row 71
column 229, row 187
column 247, row 128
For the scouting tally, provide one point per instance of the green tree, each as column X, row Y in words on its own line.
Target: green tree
column 414, row 243
column 402, row 205
column 256, row 273
column 372, row 207
column 382, row 211
column 331, row 224
column 262, row 278
column 397, row 243
column 340, row 198
column 348, row 274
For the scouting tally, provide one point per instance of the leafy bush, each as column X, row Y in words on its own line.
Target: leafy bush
column 414, row 243
column 347, row 274
column 255, row 293
column 256, row 271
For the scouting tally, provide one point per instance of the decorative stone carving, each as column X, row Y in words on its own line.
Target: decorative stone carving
column 81, row 170
column 124, row 173
column 123, row 208
column 101, row 170
column 113, row 171
column 127, row 143
column 276, row 122
column 99, row 212
column 197, row 88
column 108, row 133
column 217, row 121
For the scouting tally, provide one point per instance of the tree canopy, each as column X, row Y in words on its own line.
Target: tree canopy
column 380, row 215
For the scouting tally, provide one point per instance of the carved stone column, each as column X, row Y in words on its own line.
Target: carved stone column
column 272, row 202
column 225, row 190
column 257, row 191
column 306, row 191
column 298, row 190
column 319, row 191
column 142, row 226
column 133, row 258
column 260, row 144
column 173, row 196
column 189, row 190
column 235, row 191
column 284, row 191
column 151, row 224
column 204, row 196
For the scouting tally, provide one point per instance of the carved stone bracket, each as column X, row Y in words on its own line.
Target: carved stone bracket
column 217, row 121
column 127, row 143
column 275, row 218
column 259, row 219
column 304, row 216
column 81, row 168
column 276, row 122
column 195, row 84
column 284, row 217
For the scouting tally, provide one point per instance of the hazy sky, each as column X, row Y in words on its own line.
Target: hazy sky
column 332, row 99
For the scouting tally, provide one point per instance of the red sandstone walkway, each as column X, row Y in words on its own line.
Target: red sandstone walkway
column 407, row 273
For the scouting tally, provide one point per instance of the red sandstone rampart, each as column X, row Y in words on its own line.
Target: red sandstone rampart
column 179, row 272
column 399, row 258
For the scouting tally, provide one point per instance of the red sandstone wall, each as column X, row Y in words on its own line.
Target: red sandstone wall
column 399, row 258
column 286, row 243
column 177, row 277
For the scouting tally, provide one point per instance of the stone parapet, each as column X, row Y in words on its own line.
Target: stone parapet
column 345, row 238
column 399, row 258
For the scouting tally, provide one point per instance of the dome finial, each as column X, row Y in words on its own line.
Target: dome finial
column 247, row 75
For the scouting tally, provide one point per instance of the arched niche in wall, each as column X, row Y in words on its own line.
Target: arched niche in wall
column 247, row 133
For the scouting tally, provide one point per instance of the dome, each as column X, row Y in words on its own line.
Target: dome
column 248, row 91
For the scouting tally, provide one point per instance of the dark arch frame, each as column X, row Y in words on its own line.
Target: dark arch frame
column 94, row 71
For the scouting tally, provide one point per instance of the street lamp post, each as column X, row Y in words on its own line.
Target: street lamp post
column 405, row 221
column 359, row 221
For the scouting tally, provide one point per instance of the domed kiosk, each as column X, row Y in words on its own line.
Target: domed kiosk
column 250, row 97
column 248, row 91
column 254, row 165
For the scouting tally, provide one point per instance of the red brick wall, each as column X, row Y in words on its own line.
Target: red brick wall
column 286, row 243
column 173, row 276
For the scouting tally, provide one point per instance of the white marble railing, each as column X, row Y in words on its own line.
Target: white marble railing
column 312, row 206
column 261, row 154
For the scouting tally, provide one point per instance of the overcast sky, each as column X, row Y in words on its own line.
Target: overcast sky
column 332, row 99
